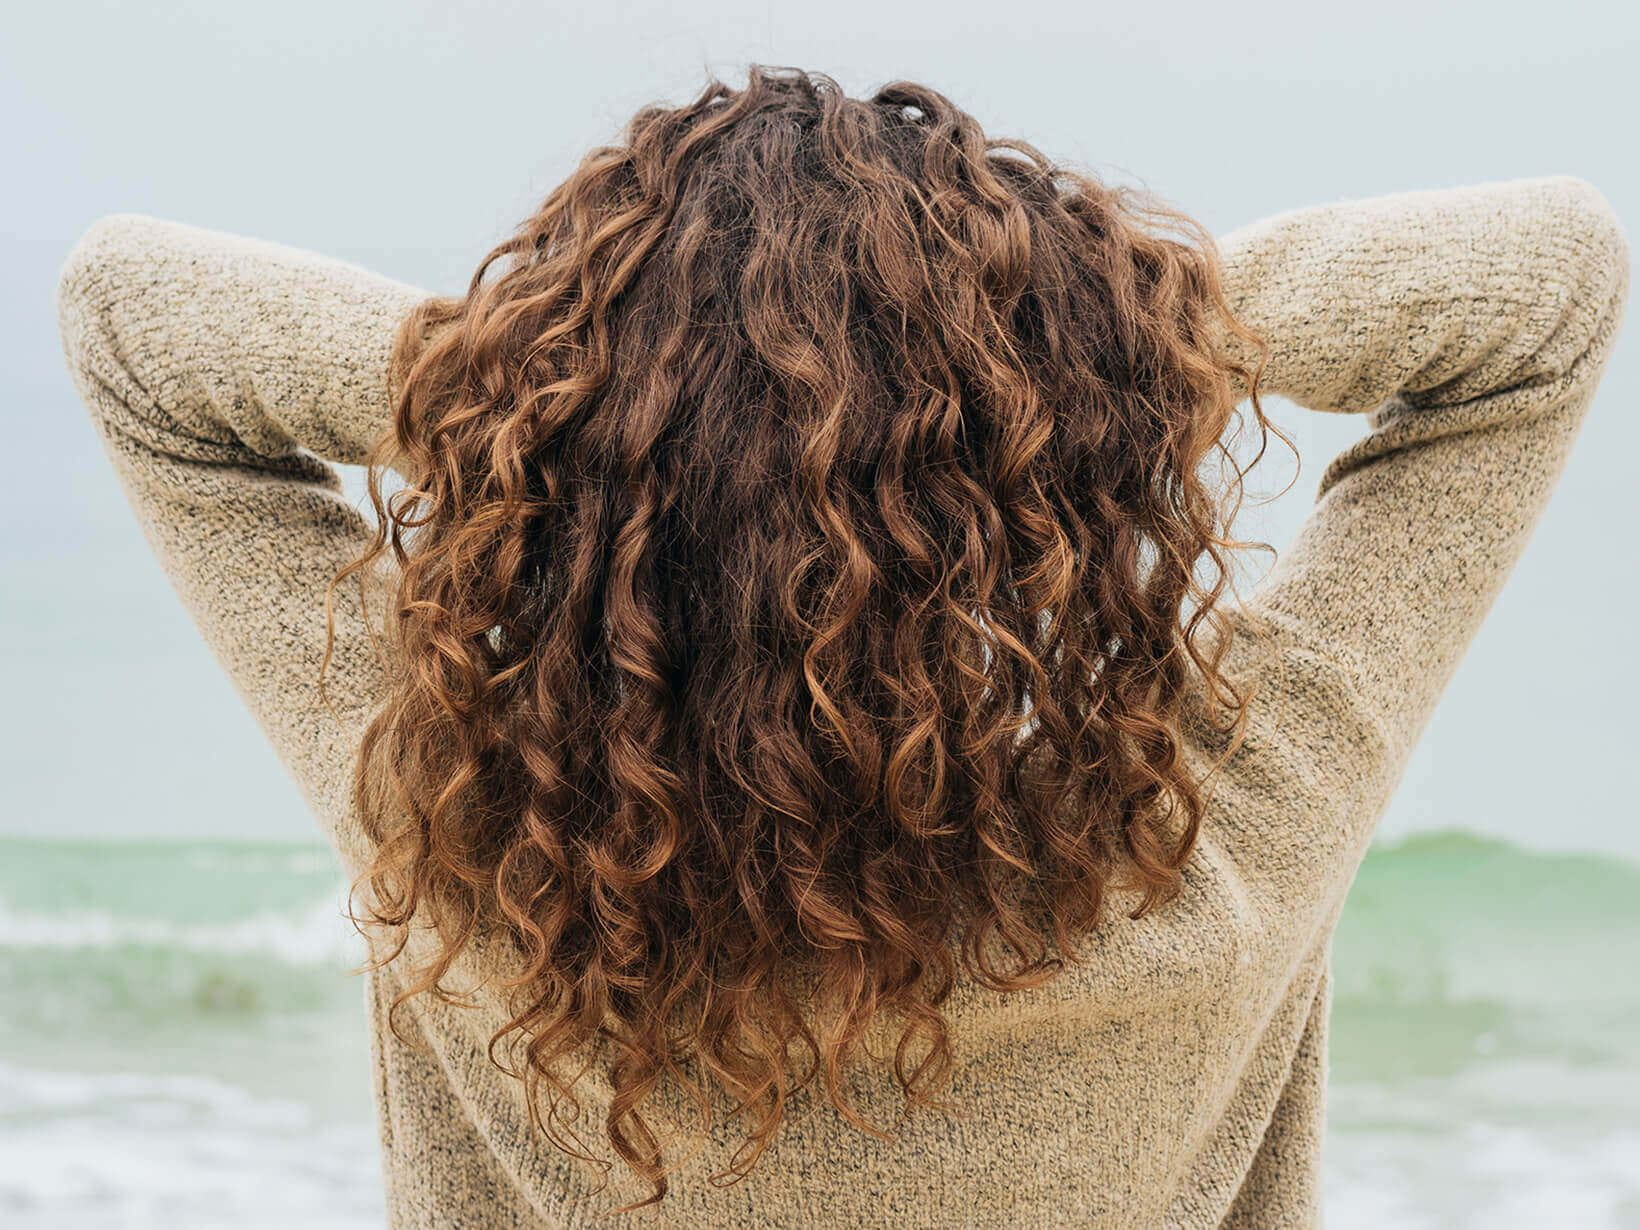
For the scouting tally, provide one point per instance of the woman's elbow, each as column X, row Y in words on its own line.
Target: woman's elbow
column 1572, row 267
column 1590, row 251
column 99, row 279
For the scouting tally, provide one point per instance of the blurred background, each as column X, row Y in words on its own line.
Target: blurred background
column 178, row 1045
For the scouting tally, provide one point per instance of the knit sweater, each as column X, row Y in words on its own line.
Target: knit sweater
column 1174, row 1075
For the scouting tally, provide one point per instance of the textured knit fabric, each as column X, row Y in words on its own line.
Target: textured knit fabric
column 1175, row 1076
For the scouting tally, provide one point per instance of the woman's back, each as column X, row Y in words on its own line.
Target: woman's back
column 1171, row 1072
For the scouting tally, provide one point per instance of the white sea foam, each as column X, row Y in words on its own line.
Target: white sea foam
column 1514, row 1144
column 317, row 934
column 181, row 1152
column 1513, row 1177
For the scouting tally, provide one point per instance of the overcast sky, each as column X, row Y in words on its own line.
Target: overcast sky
column 411, row 136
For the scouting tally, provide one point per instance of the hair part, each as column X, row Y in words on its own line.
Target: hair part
column 802, row 566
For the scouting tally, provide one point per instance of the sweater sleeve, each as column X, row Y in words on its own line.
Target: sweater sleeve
column 1471, row 325
column 223, row 375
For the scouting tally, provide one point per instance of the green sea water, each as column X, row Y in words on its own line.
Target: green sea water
column 180, row 1046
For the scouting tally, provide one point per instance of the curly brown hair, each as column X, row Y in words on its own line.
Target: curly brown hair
column 804, row 556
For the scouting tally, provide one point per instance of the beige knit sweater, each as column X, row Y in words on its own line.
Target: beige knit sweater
column 1176, row 1077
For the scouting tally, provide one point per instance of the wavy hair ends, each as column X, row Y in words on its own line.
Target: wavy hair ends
column 803, row 563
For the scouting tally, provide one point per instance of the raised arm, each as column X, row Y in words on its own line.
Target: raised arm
column 223, row 373
column 1472, row 324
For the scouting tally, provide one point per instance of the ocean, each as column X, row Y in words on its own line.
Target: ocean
column 179, row 1046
